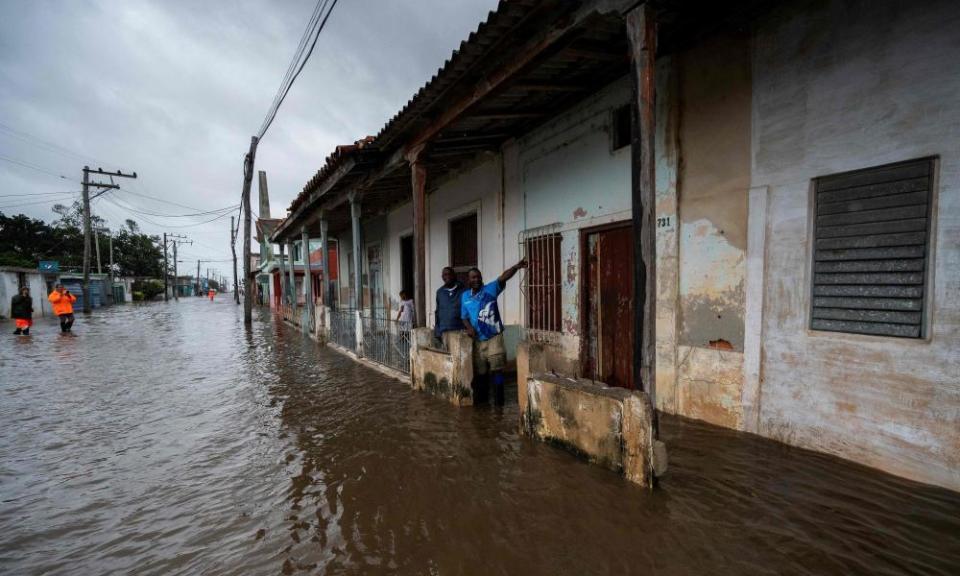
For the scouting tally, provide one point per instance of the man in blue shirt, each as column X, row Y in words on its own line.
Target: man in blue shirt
column 481, row 319
column 447, row 315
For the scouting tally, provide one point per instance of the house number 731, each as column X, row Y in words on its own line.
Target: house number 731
column 663, row 222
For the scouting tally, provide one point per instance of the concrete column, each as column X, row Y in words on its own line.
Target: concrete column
column 292, row 284
column 357, row 268
column 324, row 267
column 307, row 280
column 753, row 313
column 283, row 278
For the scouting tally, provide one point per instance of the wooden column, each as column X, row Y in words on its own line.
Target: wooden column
column 307, row 279
column 418, row 173
column 641, row 31
column 324, row 267
column 357, row 268
column 283, row 278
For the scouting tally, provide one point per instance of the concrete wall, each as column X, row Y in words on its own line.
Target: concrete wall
column 847, row 85
column 713, row 81
column 446, row 375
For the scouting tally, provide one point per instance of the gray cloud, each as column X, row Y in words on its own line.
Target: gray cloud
column 175, row 89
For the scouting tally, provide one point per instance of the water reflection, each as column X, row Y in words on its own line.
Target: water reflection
column 166, row 439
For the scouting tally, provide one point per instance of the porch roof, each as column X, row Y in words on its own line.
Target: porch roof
column 529, row 60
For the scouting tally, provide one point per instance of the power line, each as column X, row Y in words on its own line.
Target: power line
column 41, row 143
column 35, row 167
column 286, row 85
column 40, row 194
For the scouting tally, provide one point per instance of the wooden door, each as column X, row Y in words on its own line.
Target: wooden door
column 608, row 310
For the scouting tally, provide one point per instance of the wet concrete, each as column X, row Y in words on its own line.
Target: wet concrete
column 164, row 439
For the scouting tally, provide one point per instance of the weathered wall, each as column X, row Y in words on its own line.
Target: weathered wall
column 842, row 86
column 612, row 427
column 714, row 178
column 569, row 175
column 446, row 375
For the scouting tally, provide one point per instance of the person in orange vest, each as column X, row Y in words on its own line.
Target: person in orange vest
column 210, row 293
column 62, row 301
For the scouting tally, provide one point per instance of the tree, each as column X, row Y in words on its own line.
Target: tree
column 136, row 254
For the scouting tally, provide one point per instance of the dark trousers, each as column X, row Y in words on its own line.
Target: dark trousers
column 66, row 322
column 481, row 388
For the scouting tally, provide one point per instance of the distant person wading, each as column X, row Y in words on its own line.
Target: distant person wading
column 62, row 301
column 21, row 309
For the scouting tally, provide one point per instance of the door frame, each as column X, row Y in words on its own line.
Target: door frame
column 582, row 290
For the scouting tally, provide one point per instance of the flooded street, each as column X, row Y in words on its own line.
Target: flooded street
column 164, row 439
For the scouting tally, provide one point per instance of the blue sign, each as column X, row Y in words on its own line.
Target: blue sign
column 49, row 266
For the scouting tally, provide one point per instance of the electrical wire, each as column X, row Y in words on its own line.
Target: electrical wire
column 37, row 168
column 41, row 143
column 40, row 194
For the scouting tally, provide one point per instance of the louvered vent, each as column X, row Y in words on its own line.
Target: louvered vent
column 870, row 257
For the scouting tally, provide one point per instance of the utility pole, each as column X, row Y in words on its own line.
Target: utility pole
column 166, row 269
column 87, row 304
column 176, row 239
column 233, row 248
column 198, row 277
column 248, row 163
column 176, row 277
column 111, row 265
column 96, row 245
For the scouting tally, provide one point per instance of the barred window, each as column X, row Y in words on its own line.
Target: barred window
column 541, row 282
column 871, row 239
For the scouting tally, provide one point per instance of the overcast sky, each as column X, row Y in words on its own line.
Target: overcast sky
column 173, row 89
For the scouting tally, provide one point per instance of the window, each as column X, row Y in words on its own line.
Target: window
column 621, row 132
column 463, row 245
column 871, row 237
column 541, row 285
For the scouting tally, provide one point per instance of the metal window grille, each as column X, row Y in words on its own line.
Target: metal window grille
column 871, row 241
column 386, row 341
column 540, row 286
column 343, row 327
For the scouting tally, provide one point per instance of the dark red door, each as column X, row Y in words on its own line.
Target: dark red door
column 608, row 291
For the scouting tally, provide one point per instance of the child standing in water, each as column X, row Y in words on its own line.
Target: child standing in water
column 406, row 314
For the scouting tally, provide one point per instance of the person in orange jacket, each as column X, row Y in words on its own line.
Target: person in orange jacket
column 62, row 301
column 210, row 293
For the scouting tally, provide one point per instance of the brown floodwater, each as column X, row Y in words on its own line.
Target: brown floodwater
column 166, row 439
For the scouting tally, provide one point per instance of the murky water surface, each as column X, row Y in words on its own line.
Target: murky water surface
column 164, row 439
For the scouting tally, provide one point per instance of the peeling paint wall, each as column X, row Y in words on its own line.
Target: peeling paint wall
column 845, row 85
column 714, row 179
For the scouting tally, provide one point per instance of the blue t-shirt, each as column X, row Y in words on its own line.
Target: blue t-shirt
column 481, row 310
column 448, row 309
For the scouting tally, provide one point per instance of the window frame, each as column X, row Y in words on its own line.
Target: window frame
column 927, row 319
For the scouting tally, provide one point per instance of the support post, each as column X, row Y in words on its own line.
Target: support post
column 418, row 174
column 307, row 279
column 110, row 237
column 197, row 293
column 642, row 35
column 292, row 283
column 87, row 305
column 283, row 278
column 357, row 268
column 324, row 265
column 233, row 249
column 248, row 164
column 166, row 270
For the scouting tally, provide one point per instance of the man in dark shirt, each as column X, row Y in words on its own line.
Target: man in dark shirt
column 447, row 314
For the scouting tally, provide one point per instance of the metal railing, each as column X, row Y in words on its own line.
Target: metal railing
column 343, row 327
column 386, row 341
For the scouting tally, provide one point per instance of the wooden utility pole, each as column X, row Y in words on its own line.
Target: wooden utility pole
column 418, row 177
column 233, row 248
column 198, row 278
column 87, row 304
column 176, row 277
column 166, row 269
column 248, row 164
column 110, row 237
column 175, row 239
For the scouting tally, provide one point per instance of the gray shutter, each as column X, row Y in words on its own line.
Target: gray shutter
column 870, row 250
